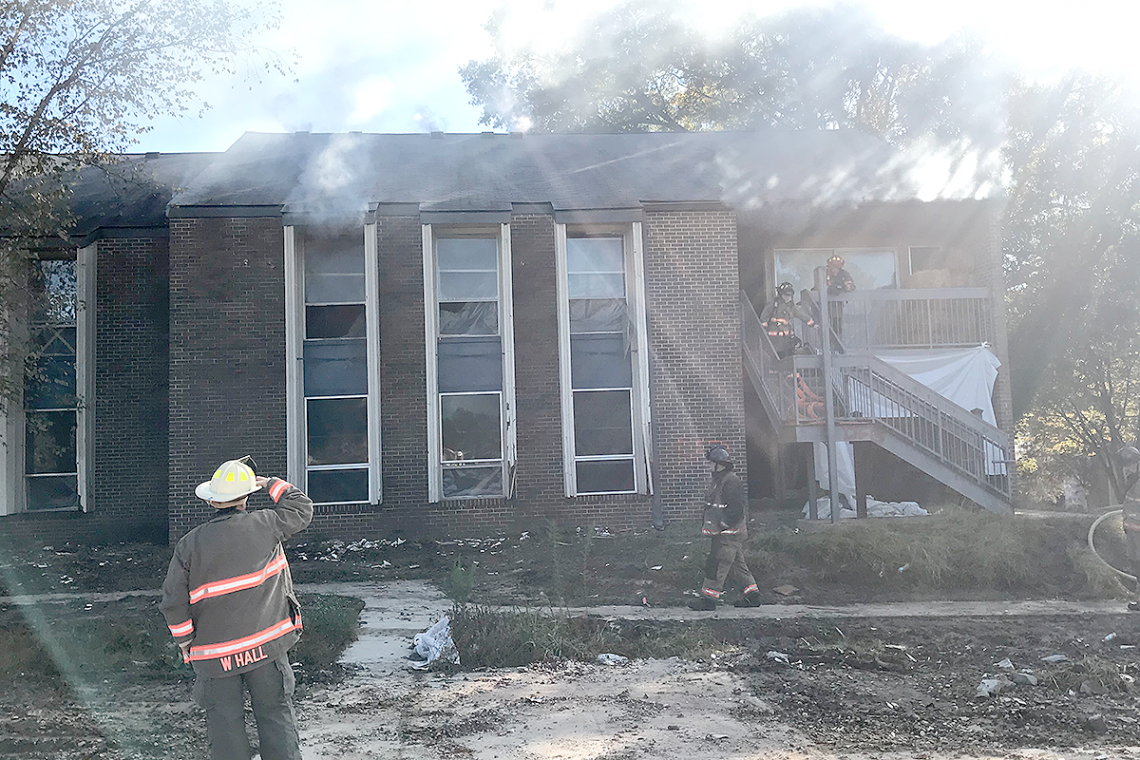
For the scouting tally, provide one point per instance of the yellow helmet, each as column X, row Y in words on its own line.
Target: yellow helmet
column 231, row 481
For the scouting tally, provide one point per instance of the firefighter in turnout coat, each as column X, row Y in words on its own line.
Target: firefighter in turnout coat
column 229, row 603
column 777, row 319
column 726, row 521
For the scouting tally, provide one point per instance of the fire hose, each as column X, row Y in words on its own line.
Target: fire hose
column 1092, row 547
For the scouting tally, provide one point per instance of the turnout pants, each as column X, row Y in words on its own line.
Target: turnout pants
column 726, row 561
column 271, row 693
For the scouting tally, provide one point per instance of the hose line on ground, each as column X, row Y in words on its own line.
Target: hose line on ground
column 1092, row 548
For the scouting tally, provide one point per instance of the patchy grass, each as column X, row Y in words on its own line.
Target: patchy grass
column 955, row 554
column 127, row 640
column 959, row 551
column 331, row 624
column 489, row 637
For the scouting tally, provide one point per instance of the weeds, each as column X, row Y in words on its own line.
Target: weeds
column 331, row 624
column 488, row 637
column 459, row 582
column 130, row 641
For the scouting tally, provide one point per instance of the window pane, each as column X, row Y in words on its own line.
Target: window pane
column 51, row 384
column 598, row 315
column 594, row 255
column 469, row 318
column 53, row 290
column 472, row 364
column 471, row 427
column 334, row 267
column 327, row 486
column 468, row 253
column 335, row 321
column 53, row 492
column 338, row 430
column 471, row 482
column 596, row 286
column 50, row 442
column 336, row 367
column 605, row 477
column 600, row 361
column 55, row 341
column 468, row 286
column 603, row 423
column 871, row 270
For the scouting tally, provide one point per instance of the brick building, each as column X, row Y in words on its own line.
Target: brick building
column 439, row 333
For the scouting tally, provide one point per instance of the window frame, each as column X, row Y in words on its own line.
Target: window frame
column 633, row 262
column 13, row 419
column 501, row 233
column 297, row 402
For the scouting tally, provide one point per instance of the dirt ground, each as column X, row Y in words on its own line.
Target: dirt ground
column 789, row 688
column 802, row 687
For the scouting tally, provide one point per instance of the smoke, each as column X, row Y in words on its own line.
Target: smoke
column 333, row 188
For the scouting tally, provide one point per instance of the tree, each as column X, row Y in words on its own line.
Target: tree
column 1072, row 245
column 640, row 67
column 79, row 81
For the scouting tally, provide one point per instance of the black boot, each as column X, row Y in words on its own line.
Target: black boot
column 751, row 599
column 702, row 604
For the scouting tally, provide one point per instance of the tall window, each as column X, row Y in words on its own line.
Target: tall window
column 604, row 373
column 51, row 400
column 335, row 412
column 467, row 283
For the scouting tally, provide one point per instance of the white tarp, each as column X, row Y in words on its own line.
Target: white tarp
column 875, row 508
column 965, row 376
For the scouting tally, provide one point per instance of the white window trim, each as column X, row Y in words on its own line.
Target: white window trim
column 635, row 297
column 295, row 425
column 508, row 426
column 13, row 492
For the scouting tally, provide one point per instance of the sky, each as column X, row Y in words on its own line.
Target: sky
column 392, row 66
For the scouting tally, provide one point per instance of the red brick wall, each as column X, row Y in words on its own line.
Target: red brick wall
column 128, row 498
column 227, row 392
column 227, row 354
column 697, row 376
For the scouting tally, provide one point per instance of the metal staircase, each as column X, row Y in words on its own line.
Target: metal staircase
column 875, row 402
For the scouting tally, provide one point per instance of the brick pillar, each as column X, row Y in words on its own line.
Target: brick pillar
column 697, row 378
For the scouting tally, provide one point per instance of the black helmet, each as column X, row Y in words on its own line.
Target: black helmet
column 785, row 289
column 719, row 454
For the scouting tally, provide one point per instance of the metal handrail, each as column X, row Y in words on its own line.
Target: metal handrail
column 867, row 389
column 911, row 318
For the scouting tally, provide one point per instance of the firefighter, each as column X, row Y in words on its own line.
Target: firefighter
column 229, row 603
column 777, row 319
column 838, row 283
column 726, row 521
column 1130, row 459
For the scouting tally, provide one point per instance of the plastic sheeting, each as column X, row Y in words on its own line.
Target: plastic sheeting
column 965, row 376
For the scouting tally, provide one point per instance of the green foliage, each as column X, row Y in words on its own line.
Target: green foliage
column 1072, row 245
column 460, row 581
column 83, row 78
column 643, row 66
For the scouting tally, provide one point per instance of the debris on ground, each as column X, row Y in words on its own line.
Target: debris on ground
column 992, row 686
column 786, row 590
column 435, row 646
column 608, row 658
